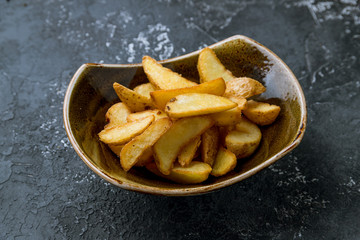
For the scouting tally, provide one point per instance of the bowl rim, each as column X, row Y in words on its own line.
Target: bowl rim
column 185, row 191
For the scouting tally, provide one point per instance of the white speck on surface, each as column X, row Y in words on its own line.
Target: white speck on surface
column 352, row 2
column 131, row 52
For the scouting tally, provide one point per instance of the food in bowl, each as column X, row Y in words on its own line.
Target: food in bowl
column 184, row 131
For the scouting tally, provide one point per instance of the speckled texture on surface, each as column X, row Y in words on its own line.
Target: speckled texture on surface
column 47, row 192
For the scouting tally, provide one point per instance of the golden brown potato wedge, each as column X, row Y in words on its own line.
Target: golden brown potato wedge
column 215, row 87
column 183, row 131
column 195, row 172
column 116, row 148
column 133, row 150
column 163, row 78
column 243, row 87
column 116, row 115
column 209, row 145
column 188, row 153
column 244, row 140
column 133, row 100
column 121, row 134
column 232, row 116
column 261, row 113
column 145, row 89
column 194, row 104
column 210, row 67
column 225, row 162
column 145, row 158
column 138, row 115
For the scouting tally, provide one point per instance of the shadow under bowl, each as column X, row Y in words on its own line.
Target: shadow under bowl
column 90, row 94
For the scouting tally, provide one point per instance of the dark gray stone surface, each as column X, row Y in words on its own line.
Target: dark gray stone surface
column 47, row 192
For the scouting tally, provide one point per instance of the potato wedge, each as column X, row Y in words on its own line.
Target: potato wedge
column 188, row 153
column 261, row 113
column 133, row 100
column 215, row 87
column 183, row 131
column 210, row 67
column 243, row 87
column 209, row 145
column 133, row 150
column 145, row 89
column 121, row 134
column 116, row 148
column 138, row 115
column 195, row 172
column 163, row 78
column 225, row 162
column 145, row 158
column 194, row 104
column 116, row 115
column 244, row 140
column 232, row 116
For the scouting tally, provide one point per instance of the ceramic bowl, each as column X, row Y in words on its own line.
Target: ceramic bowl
column 90, row 94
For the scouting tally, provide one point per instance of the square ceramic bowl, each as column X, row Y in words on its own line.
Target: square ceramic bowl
column 90, row 94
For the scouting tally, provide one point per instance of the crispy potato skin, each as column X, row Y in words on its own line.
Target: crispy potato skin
column 210, row 145
column 138, row 115
column 261, row 113
column 121, row 134
column 163, row 78
column 132, row 151
column 195, row 104
column 210, row 67
column 244, row 140
column 184, row 130
column 116, row 115
column 162, row 97
column 133, row 100
column 195, row 172
column 243, row 87
column 225, row 162
column 145, row 89
column 188, row 152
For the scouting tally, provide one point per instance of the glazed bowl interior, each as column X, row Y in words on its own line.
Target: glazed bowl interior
column 90, row 94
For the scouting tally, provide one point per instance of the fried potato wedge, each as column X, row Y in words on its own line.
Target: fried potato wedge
column 188, row 153
column 145, row 158
column 243, row 87
column 261, row 113
column 135, row 101
column 163, row 78
column 116, row 148
column 121, row 134
column 183, row 131
column 225, row 162
column 215, row 87
column 133, row 150
column 195, row 172
column 145, row 89
column 209, row 145
column 194, row 104
column 244, row 140
column 138, row 115
column 116, row 115
column 232, row 116
column 210, row 67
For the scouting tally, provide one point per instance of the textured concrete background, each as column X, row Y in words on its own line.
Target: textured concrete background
column 47, row 192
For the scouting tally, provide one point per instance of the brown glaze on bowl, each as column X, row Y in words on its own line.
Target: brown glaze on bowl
column 90, row 94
